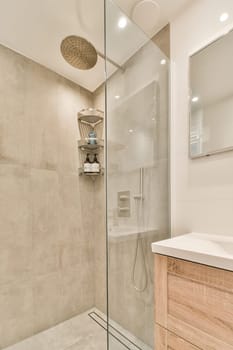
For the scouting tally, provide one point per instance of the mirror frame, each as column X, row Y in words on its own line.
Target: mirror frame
column 217, row 151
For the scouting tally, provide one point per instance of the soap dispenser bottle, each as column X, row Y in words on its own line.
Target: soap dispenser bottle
column 95, row 165
column 92, row 137
column 87, row 166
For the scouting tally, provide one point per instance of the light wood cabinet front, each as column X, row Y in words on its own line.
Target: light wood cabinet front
column 195, row 303
column 166, row 340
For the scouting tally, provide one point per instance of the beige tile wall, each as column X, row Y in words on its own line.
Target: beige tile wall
column 46, row 250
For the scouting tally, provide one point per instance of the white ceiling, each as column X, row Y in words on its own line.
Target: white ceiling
column 167, row 10
column 35, row 28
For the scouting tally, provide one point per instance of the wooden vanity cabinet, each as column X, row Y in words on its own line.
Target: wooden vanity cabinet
column 193, row 306
column 167, row 340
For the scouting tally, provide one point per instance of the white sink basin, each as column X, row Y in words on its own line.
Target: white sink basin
column 212, row 250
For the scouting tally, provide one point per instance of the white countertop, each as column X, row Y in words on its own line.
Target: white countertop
column 212, row 250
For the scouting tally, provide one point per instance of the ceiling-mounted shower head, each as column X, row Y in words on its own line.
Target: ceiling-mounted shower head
column 79, row 52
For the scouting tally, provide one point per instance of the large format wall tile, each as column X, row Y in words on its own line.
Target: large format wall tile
column 77, row 289
column 41, row 105
column 14, row 123
column 16, row 317
column 47, row 292
column 46, row 250
column 14, row 205
column 15, row 234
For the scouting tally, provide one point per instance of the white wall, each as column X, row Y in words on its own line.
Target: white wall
column 201, row 189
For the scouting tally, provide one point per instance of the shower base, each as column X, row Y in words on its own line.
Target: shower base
column 83, row 332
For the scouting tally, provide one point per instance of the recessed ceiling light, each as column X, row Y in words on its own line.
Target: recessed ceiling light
column 130, row 131
column 117, row 97
column 122, row 23
column 163, row 61
column 146, row 14
column 153, row 119
column 195, row 99
column 224, row 17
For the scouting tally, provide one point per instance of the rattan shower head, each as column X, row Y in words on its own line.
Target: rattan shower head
column 79, row 52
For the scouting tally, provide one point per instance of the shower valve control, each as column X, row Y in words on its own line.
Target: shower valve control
column 123, row 202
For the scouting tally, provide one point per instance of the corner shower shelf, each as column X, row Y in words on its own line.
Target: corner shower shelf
column 91, row 116
column 90, row 120
column 86, row 147
column 81, row 172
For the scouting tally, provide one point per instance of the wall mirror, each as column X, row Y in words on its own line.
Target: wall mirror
column 211, row 98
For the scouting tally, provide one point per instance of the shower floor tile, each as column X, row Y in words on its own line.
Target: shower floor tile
column 78, row 333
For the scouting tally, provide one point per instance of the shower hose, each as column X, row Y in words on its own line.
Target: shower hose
column 139, row 241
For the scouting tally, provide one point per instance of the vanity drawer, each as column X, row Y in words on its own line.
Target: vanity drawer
column 166, row 340
column 195, row 302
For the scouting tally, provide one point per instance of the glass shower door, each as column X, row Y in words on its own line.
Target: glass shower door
column 136, row 176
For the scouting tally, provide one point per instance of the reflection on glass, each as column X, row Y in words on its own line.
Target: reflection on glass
column 137, row 182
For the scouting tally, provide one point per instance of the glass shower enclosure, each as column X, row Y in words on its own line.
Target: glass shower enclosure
column 137, row 184
column 65, row 232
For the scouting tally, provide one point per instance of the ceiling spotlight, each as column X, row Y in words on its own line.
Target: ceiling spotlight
column 163, row 62
column 130, row 131
column 122, row 23
column 117, row 97
column 224, row 17
column 195, row 99
column 146, row 14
